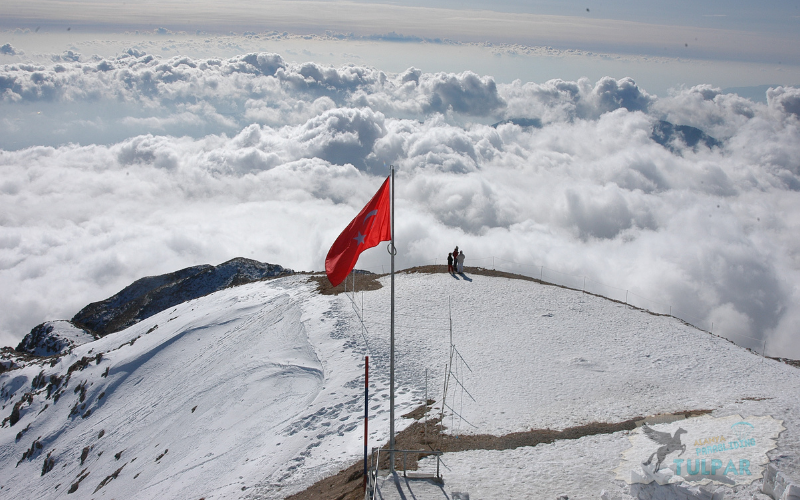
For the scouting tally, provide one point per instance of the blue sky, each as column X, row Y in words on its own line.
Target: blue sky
column 711, row 29
column 781, row 16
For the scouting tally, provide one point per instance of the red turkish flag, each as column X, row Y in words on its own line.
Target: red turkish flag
column 371, row 226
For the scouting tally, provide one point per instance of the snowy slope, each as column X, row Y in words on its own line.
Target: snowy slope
column 257, row 391
column 549, row 357
column 220, row 388
column 140, row 300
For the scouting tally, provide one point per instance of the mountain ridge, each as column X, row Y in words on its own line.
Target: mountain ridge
column 144, row 298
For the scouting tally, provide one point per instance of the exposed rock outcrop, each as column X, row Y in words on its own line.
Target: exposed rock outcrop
column 53, row 337
column 142, row 299
column 151, row 295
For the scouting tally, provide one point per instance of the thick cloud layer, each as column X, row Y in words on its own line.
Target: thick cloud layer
column 141, row 165
column 104, row 101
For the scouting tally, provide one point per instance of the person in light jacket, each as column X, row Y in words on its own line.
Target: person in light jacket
column 461, row 261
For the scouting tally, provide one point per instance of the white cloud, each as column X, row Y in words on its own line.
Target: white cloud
column 786, row 100
column 9, row 50
column 141, row 165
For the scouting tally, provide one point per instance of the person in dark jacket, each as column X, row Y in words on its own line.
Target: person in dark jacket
column 450, row 263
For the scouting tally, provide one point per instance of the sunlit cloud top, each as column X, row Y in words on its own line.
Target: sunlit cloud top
column 143, row 164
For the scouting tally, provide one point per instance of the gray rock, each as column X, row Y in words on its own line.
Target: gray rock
column 151, row 295
column 779, row 485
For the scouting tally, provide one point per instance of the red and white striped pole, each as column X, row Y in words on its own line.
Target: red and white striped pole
column 366, row 415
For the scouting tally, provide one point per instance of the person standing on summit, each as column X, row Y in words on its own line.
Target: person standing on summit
column 461, row 261
column 450, row 263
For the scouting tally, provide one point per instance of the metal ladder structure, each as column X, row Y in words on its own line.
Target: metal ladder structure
column 372, row 493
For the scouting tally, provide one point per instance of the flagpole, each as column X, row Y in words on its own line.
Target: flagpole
column 391, row 348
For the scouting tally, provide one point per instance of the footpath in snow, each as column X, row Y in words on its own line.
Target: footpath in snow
column 257, row 391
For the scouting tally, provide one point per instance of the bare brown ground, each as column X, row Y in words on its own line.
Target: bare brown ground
column 431, row 269
column 792, row 362
column 363, row 282
column 422, row 435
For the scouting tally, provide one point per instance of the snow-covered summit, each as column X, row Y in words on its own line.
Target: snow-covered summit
column 257, row 391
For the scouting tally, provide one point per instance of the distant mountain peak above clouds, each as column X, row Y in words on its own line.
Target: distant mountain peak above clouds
column 140, row 300
column 665, row 133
